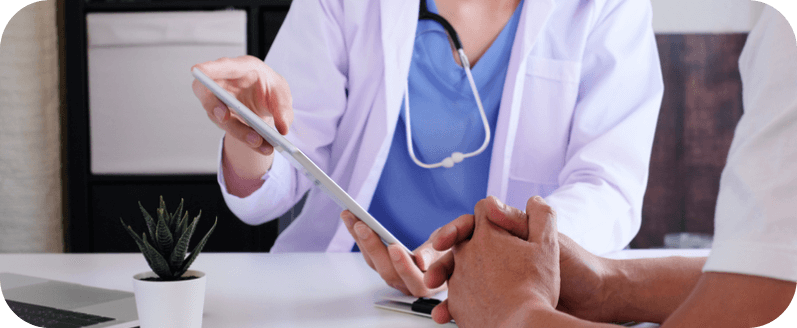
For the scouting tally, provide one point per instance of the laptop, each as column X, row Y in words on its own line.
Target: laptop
column 51, row 303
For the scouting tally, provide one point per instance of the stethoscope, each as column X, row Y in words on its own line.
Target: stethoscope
column 455, row 157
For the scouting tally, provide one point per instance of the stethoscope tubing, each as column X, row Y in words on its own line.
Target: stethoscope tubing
column 455, row 157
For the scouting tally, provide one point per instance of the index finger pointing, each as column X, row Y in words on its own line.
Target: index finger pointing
column 265, row 88
column 230, row 68
column 278, row 101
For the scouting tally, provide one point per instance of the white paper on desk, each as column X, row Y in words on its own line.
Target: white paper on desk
column 394, row 300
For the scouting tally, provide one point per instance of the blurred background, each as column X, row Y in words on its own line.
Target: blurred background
column 98, row 114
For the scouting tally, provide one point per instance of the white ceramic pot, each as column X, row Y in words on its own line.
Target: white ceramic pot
column 169, row 304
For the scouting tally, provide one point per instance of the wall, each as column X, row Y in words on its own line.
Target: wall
column 704, row 16
column 30, row 170
column 699, row 45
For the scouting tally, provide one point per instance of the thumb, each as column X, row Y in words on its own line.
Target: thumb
column 425, row 256
column 504, row 216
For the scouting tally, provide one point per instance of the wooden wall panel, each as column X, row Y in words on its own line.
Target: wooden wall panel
column 663, row 209
column 701, row 106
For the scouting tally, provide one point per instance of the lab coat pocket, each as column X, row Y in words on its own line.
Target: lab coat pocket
column 550, row 91
column 554, row 69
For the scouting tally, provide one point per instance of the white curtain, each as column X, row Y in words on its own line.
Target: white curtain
column 30, row 164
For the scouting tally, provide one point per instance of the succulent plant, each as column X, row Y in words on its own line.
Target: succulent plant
column 166, row 251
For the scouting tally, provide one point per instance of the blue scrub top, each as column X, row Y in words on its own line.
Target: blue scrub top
column 411, row 201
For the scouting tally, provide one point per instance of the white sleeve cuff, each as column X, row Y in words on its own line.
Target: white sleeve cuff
column 265, row 203
column 757, row 259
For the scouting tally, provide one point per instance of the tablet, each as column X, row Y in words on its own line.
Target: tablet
column 298, row 159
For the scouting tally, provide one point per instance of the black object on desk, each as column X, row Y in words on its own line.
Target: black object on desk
column 425, row 305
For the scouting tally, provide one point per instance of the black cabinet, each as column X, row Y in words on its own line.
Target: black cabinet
column 94, row 203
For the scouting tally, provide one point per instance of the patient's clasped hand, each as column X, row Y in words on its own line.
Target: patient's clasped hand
column 520, row 261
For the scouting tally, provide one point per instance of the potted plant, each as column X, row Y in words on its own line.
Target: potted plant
column 170, row 295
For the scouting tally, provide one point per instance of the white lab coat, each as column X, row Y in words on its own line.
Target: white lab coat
column 576, row 122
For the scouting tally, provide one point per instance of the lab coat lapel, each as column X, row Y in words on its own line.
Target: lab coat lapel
column 533, row 18
column 399, row 19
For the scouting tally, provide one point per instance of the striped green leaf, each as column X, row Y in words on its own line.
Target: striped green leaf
column 180, row 249
column 164, row 238
column 156, row 261
column 148, row 219
column 197, row 250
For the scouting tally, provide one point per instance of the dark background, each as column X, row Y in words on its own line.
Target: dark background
column 702, row 104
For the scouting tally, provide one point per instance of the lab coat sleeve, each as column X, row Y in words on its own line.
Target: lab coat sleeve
column 310, row 53
column 603, row 181
column 247, row 209
column 756, row 222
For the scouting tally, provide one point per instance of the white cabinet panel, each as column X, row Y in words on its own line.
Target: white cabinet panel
column 144, row 118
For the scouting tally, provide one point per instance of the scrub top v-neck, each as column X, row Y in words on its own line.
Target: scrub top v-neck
column 411, row 201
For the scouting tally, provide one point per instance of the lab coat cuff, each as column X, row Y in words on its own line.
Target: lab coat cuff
column 590, row 220
column 250, row 209
column 753, row 258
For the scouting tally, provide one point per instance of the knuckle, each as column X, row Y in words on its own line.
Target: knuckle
column 551, row 213
column 531, row 203
column 546, row 210
column 493, row 200
column 538, row 205
column 401, row 267
column 482, row 203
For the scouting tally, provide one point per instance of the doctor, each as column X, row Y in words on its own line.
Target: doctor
column 555, row 98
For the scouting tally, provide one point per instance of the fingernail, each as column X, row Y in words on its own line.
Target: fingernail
column 346, row 220
column 252, row 138
column 265, row 149
column 219, row 112
column 361, row 230
column 539, row 199
column 427, row 257
column 499, row 202
column 449, row 230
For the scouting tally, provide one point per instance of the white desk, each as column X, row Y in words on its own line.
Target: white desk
column 260, row 289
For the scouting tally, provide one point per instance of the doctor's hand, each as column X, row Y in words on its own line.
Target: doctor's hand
column 497, row 278
column 255, row 85
column 582, row 273
column 399, row 269
column 246, row 156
